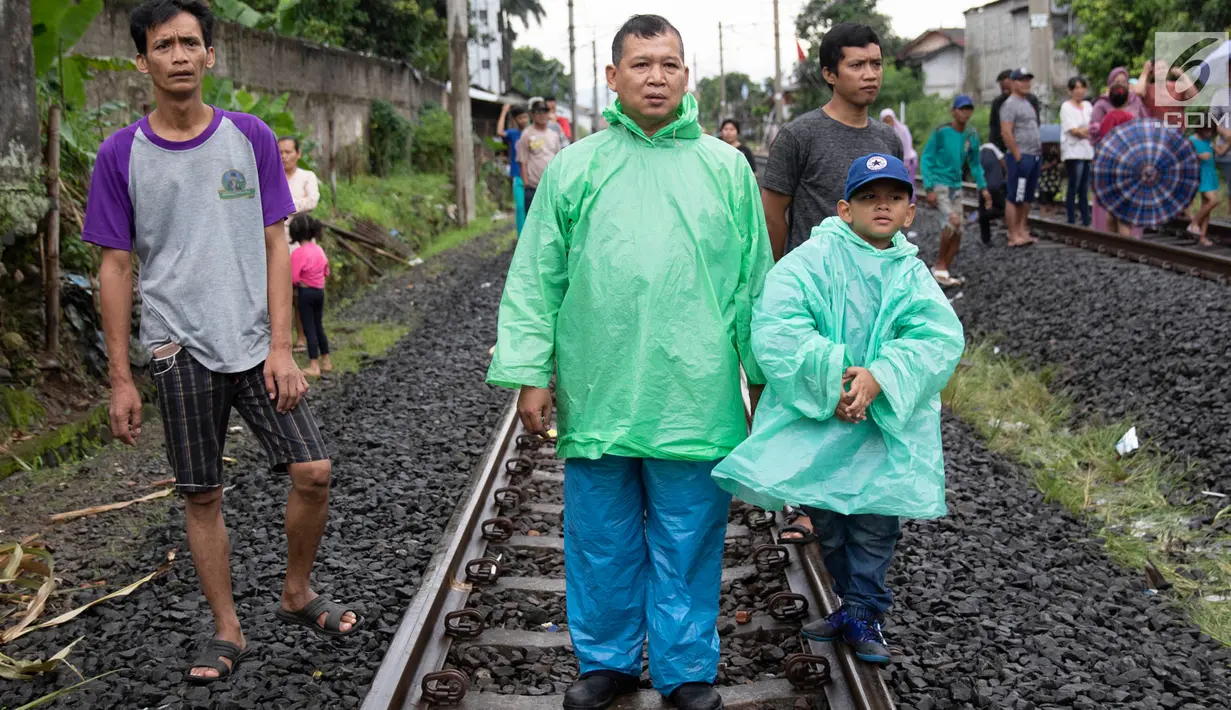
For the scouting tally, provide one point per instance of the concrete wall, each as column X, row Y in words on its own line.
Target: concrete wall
column 998, row 38
column 943, row 72
column 331, row 89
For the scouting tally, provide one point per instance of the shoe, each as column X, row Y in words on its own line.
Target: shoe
column 598, row 689
column 696, row 696
column 865, row 636
column 825, row 629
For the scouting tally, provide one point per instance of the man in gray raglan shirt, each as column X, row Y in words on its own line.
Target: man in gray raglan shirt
column 200, row 194
column 809, row 159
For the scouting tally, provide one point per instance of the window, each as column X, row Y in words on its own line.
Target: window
column 482, row 15
column 487, row 64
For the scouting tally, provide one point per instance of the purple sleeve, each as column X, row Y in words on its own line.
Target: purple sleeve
column 109, row 208
column 276, row 201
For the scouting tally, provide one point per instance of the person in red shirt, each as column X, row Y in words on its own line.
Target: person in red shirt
column 563, row 122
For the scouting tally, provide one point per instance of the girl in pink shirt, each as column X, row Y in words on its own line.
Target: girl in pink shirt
column 309, row 268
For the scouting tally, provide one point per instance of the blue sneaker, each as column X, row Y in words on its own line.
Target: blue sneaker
column 826, row 629
column 865, row 636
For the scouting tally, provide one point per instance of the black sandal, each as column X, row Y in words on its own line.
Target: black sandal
column 321, row 605
column 212, row 656
column 805, row 535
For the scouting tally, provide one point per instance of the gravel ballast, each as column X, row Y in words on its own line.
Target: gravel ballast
column 406, row 431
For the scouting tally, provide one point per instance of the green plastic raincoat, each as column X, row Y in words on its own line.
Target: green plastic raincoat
column 834, row 303
column 633, row 280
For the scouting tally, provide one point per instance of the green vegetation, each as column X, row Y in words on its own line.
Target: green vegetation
column 1121, row 32
column 747, row 111
column 1009, row 405
column 20, row 407
column 389, row 138
column 432, row 149
column 536, row 75
column 413, row 31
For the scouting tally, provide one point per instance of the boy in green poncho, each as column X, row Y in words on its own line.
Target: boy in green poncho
column 856, row 340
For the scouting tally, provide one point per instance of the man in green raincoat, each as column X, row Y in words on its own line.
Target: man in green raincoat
column 633, row 282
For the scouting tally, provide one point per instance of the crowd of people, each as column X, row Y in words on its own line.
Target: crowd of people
column 651, row 269
column 1020, row 165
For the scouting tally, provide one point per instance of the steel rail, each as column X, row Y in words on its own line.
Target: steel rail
column 419, row 647
column 1195, row 261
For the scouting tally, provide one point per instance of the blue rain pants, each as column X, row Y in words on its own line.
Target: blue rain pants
column 857, row 550
column 643, row 543
column 519, row 202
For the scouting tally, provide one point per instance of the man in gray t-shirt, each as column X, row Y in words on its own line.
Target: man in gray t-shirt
column 1019, row 125
column 199, row 194
column 809, row 159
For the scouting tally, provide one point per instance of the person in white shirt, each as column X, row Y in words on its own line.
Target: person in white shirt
column 1076, row 150
column 304, row 188
column 306, row 193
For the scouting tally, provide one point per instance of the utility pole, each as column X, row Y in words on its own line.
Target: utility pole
column 1041, row 48
column 777, row 71
column 572, row 67
column 594, row 57
column 722, row 80
column 459, row 106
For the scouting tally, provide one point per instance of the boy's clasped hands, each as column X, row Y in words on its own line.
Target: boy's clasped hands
column 863, row 388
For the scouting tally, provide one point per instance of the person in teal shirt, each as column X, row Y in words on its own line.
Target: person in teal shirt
column 1202, row 140
column 633, row 282
column 951, row 147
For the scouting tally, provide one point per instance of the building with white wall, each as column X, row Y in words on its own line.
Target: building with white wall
column 939, row 55
column 486, row 46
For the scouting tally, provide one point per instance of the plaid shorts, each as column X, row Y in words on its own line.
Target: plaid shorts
column 196, row 408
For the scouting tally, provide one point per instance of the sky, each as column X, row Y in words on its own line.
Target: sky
column 748, row 32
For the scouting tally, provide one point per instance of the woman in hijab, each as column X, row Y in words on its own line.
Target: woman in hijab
column 1117, row 81
column 909, row 155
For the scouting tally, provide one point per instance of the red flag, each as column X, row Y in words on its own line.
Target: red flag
column 803, row 56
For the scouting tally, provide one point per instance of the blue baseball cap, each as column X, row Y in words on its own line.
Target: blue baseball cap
column 962, row 101
column 876, row 166
column 1022, row 73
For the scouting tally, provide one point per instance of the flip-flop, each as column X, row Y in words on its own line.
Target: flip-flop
column 211, row 657
column 805, row 535
column 321, row 605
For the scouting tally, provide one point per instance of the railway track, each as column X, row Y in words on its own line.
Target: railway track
column 1170, row 248
column 487, row 628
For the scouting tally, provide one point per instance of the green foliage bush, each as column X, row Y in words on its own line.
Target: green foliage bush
column 432, row 150
column 272, row 110
column 390, row 137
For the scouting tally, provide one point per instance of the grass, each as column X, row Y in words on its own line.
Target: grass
column 1010, row 406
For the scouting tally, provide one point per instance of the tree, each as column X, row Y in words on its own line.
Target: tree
column 413, row 31
column 1121, row 32
column 537, row 75
column 747, row 101
column 522, row 10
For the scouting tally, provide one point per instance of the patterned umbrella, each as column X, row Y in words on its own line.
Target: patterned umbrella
column 1145, row 174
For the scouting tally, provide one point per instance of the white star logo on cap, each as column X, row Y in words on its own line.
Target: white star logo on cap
column 877, row 163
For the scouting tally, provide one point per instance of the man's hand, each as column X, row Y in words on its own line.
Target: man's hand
column 931, row 198
column 845, row 400
column 1017, row 156
column 987, row 199
column 534, row 407
column 125, row 412
column 284, row 380
column 864, row 389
